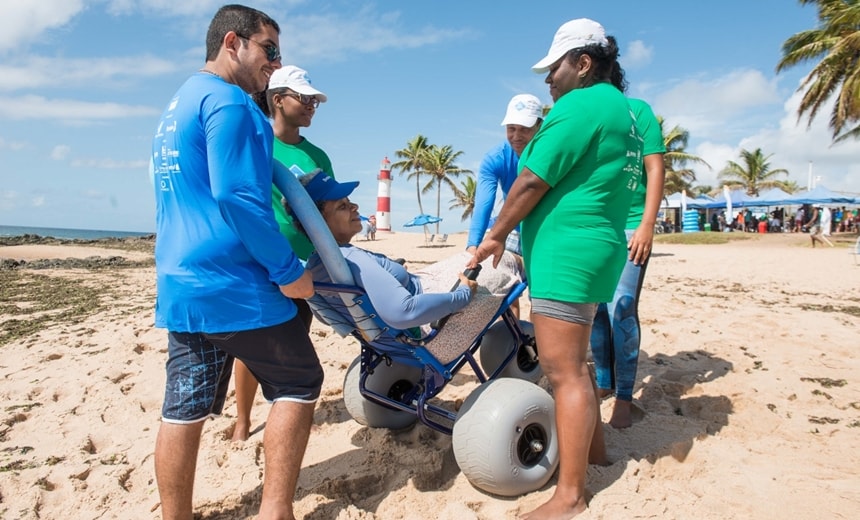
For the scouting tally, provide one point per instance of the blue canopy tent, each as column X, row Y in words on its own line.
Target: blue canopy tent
column 819, row 195
column 700, row 202
column 771, row 197
column 738, row 198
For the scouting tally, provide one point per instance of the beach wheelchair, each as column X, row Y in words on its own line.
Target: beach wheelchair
column 503, row 434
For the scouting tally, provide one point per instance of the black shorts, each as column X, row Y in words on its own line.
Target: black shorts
column 281, row 357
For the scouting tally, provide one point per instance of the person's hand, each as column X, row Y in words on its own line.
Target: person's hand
column 640, row 244
column 471, row 249
column 489, row 247
column 473, row 284
column 301, row 288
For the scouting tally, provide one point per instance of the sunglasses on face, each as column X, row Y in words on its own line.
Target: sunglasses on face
column 306, row 100
column 273, row 53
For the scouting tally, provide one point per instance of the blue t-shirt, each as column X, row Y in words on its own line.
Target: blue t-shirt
column 219, row 256
column 499, row 168
column 396, row 295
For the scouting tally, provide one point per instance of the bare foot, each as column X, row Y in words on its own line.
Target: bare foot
column 621, row 415
column 603, row 393
column 241, row 432
column 557, row 509
column 625, row 413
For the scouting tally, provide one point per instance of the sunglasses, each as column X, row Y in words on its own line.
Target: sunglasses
column 304, row 99
column 273, row 53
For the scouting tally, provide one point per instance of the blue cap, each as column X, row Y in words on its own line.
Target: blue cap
column 323, row 187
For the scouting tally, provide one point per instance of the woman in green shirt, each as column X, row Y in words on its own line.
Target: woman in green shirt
column 573, row 193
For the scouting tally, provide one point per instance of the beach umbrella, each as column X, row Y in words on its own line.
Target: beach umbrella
column 422, row 220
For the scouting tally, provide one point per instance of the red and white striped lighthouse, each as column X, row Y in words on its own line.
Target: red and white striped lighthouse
column 383, row 197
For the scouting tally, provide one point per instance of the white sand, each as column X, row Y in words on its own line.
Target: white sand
column 736, row 425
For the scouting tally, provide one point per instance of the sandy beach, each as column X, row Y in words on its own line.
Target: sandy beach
column 749, row 384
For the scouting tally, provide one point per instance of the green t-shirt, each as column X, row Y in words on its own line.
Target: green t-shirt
column 307, row 157
column 590, row 154
column 652, row 142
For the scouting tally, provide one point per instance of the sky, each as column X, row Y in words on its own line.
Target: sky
column 84, row 82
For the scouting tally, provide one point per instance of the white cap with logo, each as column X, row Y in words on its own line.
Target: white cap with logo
column 574, row 34
column 523, row 110
column 295, row 79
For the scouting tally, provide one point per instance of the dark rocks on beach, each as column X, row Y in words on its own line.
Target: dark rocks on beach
column 91, row 262
column 142, row 243
column 26, row 239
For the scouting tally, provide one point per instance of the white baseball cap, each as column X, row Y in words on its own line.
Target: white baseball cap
column 295, row 79
column 572, row 35
column 523, row 110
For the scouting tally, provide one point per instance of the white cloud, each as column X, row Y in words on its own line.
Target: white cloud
column 190, row 7
column 110, row 164
column 93, row 194
column 60, row 152
column 638, row 55
column 24, row 22
column 11, row 145
column 727, row 105
column 330, row 37
column 8, row 200
column 37, row 201
column 793, row 147
column 29, row 72
column 68, row 110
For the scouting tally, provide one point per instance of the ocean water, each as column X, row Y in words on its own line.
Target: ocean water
column 81, row 234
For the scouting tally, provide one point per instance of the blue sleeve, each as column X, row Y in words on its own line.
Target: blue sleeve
column 240, row 176
column 394, row 303
column 485, row 197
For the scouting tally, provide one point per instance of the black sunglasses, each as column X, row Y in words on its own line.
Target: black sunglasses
column 273, row 53
column 304, row 99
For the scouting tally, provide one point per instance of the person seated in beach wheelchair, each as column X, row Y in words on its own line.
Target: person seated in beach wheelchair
column 416, row 332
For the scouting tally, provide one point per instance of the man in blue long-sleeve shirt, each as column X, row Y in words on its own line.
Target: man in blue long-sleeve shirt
column 225, row 274
column 499, row 169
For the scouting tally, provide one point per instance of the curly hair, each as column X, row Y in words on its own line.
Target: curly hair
column 606, row 66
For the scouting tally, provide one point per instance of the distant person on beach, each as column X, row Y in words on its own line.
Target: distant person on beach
column 291, row 103
column 225, row 274
column 814, row 226
column 615, row 334
column 499, row 170
column 826, row 221
column 372, row 229
column 798, row 220
column 576, row 181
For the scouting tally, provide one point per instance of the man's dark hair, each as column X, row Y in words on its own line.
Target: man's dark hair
column 239, row 19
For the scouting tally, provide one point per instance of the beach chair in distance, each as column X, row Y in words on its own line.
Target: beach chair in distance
column 428, row 240
column 443, row 239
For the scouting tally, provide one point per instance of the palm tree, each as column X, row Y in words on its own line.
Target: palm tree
column 411, row 162
column 465, row 197
column 836, row 41
column 790, row 186
column 437, row 162
column 702, row 189
column 753, row 175
column 678, row 176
